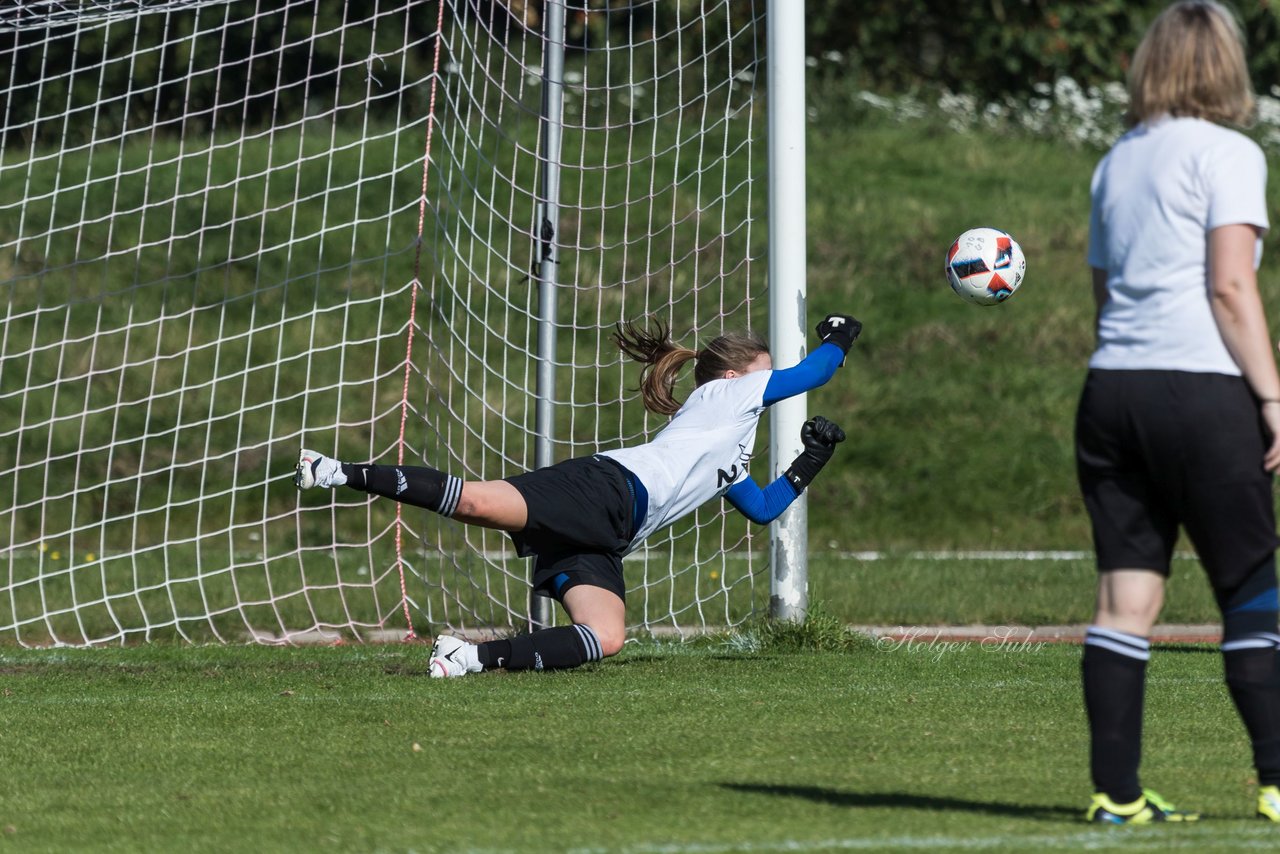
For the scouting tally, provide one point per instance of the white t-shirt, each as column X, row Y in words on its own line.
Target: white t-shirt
column 703, row 451
column 1156, row 195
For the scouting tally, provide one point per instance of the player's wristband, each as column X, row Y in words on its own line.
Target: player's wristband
column 805, row 468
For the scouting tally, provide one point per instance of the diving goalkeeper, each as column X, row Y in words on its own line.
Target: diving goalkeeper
column 578, row 518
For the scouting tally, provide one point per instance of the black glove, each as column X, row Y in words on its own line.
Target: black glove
column 840, row 329
column 819, row 437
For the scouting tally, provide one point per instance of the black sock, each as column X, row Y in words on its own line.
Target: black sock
column 1253, row 678
column 1251, row 662
column 1114, row 668
column 417, row 485
column 547, row 649
column 494, row 653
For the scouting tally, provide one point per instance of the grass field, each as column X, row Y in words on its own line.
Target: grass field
column 915, row 590
column 669, row 748
column 770, row 739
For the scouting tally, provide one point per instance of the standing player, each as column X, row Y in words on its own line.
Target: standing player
column 580, row 517
column 1179, row 421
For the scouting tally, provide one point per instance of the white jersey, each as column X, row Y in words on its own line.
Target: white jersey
column 1156, row 195
column 703, row 451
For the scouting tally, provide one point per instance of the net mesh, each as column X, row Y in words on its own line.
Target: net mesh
column 228, row 229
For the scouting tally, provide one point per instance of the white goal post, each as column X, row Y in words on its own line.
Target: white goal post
column 397, row 230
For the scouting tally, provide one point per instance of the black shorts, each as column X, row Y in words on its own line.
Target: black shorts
column 1159, row 449
column 581, row 521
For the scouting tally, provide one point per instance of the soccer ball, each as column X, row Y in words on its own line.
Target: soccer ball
column 985, row 266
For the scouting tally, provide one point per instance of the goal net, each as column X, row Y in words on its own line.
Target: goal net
column 232, row 229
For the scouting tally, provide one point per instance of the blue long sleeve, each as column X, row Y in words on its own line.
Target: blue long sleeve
column 816, row 368
column 761, row 506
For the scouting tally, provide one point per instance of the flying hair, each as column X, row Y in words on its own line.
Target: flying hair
column 650, row 344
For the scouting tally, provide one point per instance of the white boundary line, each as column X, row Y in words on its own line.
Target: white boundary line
column 1218, row 837
column 978, row 554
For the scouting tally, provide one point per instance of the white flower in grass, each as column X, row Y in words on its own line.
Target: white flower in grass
column 994, row 114
column 903, row 107
column 1065, row 89
column 1063, row 109
column 952, row 104
column 959, row 110
column 1269, row 119
column 877, row 101
column 1268, row 110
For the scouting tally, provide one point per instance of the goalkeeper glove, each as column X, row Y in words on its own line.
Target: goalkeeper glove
column 840, row 329
column 819, row 437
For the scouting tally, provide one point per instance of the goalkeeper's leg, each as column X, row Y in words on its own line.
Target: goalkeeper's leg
column 490, row 503
column 598, row 631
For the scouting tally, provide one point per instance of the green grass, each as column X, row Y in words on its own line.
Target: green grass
column 776, row 738
column 907, row 590
column 669, row 748
column 959, row 418
column 174, row 442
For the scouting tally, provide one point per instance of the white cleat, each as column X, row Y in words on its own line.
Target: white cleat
column 452, row 657
column 305, row 477
column 315, row 469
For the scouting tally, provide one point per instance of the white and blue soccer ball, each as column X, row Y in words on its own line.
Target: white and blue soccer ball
column 985, row 266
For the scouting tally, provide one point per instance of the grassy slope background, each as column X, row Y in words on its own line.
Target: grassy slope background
column 960, row 423
column 959, row 417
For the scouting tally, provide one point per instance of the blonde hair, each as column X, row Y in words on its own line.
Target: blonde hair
column 1191, row 64
column 662, row 359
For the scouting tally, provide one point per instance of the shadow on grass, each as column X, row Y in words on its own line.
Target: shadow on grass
column 902, row 800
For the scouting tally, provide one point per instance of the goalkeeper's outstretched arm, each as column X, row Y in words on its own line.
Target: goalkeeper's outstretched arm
column 820, row 437
column 837, row 333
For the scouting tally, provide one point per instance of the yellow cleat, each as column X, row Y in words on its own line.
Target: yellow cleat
column 1269, row 803
column 1147, row 809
